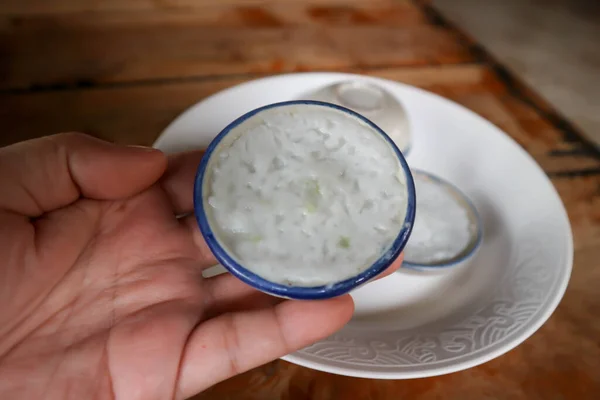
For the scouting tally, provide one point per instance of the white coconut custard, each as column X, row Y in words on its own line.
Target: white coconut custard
column 305, row 195
column 445, row 225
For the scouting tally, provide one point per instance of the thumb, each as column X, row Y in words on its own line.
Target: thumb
column 41, row 175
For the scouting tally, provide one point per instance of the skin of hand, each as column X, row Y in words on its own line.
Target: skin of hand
column 101, row 286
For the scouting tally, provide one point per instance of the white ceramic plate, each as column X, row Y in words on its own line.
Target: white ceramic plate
column 415, row 324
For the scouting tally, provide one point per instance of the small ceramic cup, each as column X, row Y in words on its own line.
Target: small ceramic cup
column 331, row 289
column 372, row 101
column 464, row 235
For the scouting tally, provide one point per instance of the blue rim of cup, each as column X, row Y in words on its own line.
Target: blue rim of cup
column 300, row 292
column 473, row 246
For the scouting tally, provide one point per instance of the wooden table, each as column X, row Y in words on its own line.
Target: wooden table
column 123, row 69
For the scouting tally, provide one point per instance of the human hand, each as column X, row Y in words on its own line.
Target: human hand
column 101, row 285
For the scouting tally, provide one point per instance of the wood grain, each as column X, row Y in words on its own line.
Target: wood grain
column 132, row 115
column 94, row 50
column 226, row 15
column 137, row 113
column 29, row 7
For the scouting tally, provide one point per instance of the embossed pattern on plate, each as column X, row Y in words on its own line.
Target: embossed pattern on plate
column 520, row 299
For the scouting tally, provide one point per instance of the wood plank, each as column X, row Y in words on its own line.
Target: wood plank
column 446, row 79
column 581, row 196
column 153, row 48
column 516, row 86
column 29, row 7
column 559, row 164
column 137, row 113
column 128, row 115
column 220, row 15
